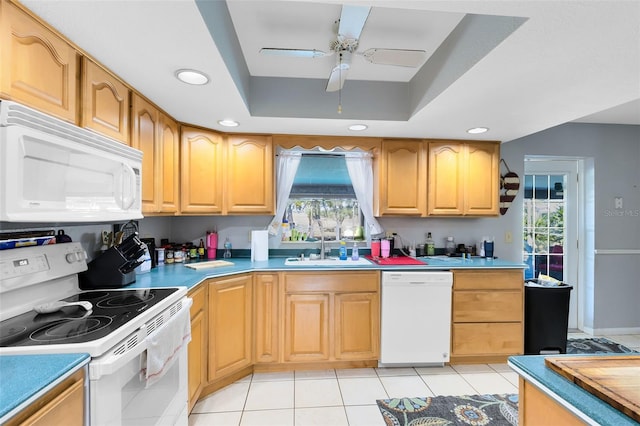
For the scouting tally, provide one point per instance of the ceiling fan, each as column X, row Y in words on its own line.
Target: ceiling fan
column 351, row 23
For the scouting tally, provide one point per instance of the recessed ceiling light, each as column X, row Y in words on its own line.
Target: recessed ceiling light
column 358, row 127
column 192, row 77
column 476, row 130
column 228, row 123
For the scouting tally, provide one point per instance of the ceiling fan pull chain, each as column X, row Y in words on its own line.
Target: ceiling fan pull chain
column 340, row 89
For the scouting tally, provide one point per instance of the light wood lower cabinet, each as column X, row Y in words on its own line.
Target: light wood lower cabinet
column 266, row 316
column 331, row 316
column 488, row 315
column 535, row 408
column 63, row 405
column 230, row 325
column 197, row 350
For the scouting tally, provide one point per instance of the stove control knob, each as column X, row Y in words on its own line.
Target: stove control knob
column 71, row 257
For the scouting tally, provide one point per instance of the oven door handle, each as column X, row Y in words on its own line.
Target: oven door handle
column 119, row 356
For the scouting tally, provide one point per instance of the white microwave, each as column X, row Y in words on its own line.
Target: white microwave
column 54, row 171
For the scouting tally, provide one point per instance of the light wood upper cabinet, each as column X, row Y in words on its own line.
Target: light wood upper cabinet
column 446, row 178
column 201, row 171
column 230, row 325
column 463, row 178
column 250, row 176
column 482, row 179
column 144, row 137
column 105, row 102
column 168, row 184
column 197, row 349
column 266, row 291
column 37, row 67
column 402, row 176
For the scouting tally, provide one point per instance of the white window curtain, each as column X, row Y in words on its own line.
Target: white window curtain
column 361, row 174
column 288, row 162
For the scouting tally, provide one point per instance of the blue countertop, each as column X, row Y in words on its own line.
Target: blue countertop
column 583, row 404
column 24, row 378
column 177, row 274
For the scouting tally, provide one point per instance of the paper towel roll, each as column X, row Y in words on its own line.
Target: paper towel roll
column 259, row 246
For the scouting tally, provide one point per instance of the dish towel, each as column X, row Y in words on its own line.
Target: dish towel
column 164, row 345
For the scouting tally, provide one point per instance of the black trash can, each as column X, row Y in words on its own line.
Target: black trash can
column 546, row 318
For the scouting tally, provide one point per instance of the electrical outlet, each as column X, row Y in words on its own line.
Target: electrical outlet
column 508, row 237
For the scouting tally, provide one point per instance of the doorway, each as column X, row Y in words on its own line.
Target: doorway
column 551, row 224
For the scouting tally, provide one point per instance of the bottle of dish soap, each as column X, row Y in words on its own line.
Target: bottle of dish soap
column 430, row 246
column 227, row 248
column 355, row 254
column 343, row 250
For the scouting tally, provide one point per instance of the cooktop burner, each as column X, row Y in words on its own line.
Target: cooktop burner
column 73, row 324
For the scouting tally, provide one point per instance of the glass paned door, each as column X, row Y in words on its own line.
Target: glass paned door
column 544, row 219
column 550, row 224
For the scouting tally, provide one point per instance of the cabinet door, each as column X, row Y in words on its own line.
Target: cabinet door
column 446, row 178
column 482, row 179
column 37, row 67
column 168, row 186
column 144, row 137
column 197, row 362
column 357, row 326
column 63, row 405
column 266, row 317
column 105, row 102
column 401, row 178
column 201, row 171
column 306, row 327
column 230, row 329
column 249, row 171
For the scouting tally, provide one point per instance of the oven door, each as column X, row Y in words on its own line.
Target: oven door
column 120, row 396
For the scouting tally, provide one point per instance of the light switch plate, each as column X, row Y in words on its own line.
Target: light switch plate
column 508, row 237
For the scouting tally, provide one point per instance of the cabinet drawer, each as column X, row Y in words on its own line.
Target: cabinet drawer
column 199, row 297
column 343, row 282
column 487, row 306
column 498, row 279
column 487, row 339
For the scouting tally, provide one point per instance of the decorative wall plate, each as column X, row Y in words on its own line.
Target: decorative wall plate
column 509, row 185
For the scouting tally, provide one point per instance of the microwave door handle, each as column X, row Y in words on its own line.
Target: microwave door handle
column 126, row 193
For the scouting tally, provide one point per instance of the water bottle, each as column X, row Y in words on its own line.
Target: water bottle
column 451, row 246
column 355, row 254
column 227, row 248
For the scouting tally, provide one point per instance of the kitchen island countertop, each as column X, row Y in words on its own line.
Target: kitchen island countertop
column 25, row 378
column 177, row 274
column 586, row 406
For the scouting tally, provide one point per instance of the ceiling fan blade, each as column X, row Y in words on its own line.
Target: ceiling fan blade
column 337, row 77
column 399, row 57
column 297, row 53
column 352, row 20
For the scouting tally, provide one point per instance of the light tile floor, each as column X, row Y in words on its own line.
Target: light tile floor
column 348, row 397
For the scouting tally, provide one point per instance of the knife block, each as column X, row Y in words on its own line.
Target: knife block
column 105, row 272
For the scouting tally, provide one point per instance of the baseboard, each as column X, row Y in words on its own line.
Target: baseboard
column 611, row 331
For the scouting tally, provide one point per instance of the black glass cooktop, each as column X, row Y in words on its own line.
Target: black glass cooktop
column 73, row 324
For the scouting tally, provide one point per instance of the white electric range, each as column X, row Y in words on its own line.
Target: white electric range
column 114, row 331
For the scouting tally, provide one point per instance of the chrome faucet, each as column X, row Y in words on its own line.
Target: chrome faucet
column 322, row 256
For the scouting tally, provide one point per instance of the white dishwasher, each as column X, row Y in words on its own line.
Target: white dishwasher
column 415, row 318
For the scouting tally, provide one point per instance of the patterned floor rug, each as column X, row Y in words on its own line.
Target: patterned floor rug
column 596, row 345
column 475, row 410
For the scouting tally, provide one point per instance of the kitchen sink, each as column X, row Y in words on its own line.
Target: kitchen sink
column 330, row 261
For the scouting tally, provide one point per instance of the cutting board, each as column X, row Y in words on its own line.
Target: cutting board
column 209, row 264
column 400, row 260
column 614, row 379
